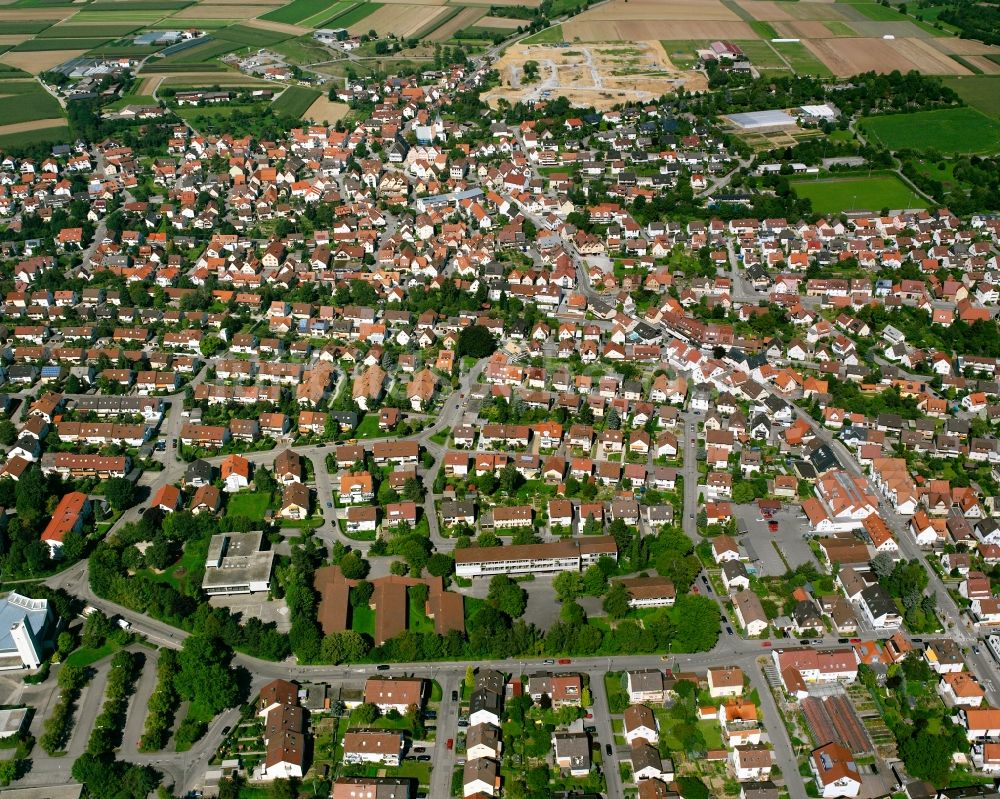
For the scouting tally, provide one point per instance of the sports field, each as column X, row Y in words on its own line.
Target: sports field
column 858, row 193
column 951, row 130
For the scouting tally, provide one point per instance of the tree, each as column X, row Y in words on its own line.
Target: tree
column 440, row 565
column 264, row 479
column 365, row 714
column 616, row 602
column 692, row 788
column 8, row 432
column 594, row 580
column 476, row 341
column 614, row 420
column 567, row 585
column 697, row 619
column 470, row 678
column 96, row 630
column 210, row 345
column 361, row 594
column 204, row 676
column 507, row 596
column 120, row 493
column 354, row 566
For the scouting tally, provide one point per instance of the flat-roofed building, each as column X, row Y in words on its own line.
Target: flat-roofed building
column 236, row 564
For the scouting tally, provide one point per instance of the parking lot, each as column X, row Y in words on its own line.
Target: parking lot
column 760, row 543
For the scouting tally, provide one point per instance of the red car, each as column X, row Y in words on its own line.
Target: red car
column 772, row 526
column 451, row 743
column 766, row 644
column 564, row 661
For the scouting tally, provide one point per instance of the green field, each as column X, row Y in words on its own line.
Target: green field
column 295, row 100
column 158, row 67
column 839, row 28
column 801, row 60
column 102, row 17
column 200, row 52
column 879, row 13
column 764, row 29
column 303, row 50
column 55, row 135
column 835, row 195
column 11, row 27
column 328, row 15
column 552, row 35
column 298, row 10
column 761, row 54
column 39, row 45
column 950, row 130
column 683, row 53
column 23, row 101
column 116, row 30
column 139, row 5
column 355, row 15
column 251, row 504
column 251, row 37
column 979, row 91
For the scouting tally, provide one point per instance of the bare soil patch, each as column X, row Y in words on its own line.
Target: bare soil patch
column 280, row 27
column 637, row 29
column 34, row 124
column 851, row 56
column 326, row 110
column 14, row 38
column 766, row 10
column 465, row 18
column 40, row 61
column 952, row 44
column 501, row 23
column 988, row 67
column 399, row 19
column 32, row 14
column 803, row 29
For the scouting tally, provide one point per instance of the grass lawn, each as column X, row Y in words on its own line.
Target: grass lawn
column 761, row 54
column 834, row 195
column 441, row 437
column 713, row 734
column 363, row 620
column 553, row 35
column 251, row 504
column 979, row 91
column 368, row 427
column 417, row 620
column 950, row 130
column 87, row 657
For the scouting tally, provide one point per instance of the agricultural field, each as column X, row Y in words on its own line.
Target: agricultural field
column 835, row 195
column 27, row 110
column 834, row 38
column 979, row 91
column 295, row 100
column 951, row 130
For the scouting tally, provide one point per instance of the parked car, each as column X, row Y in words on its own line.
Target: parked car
column 451, row 743
column 382, row 667
column 607, row 748
column 454, row 696
column 765, row 644
column 564, row 661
